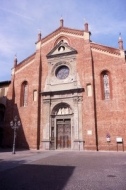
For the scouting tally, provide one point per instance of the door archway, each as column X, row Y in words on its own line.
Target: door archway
column 61, row 126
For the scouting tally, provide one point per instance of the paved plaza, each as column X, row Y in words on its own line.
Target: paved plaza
column 62, row 170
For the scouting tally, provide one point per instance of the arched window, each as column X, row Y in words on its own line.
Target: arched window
column 105, row 82
column 24, row 94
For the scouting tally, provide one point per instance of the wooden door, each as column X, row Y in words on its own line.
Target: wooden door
column 63, row 133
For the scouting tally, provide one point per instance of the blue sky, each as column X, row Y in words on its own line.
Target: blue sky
column 21, row 20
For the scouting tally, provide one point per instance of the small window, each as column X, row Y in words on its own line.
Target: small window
column 24, row 94
column 105, row 81
column 89, row 90
column 61, row 48
column 35, row 95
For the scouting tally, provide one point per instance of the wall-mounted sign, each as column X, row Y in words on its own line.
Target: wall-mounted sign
column 119, row 140
column 89, row 132
column 108, row 139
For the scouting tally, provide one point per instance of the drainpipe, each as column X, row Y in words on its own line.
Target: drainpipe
column 39, row 107
column 39, row 102
column 95, row 104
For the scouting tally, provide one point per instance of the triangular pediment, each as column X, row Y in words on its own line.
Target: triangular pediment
column 62, row 48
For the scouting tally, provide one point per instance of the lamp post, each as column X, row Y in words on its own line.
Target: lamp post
column 15, row 124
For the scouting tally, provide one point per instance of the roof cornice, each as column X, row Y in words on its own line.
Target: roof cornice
column 25, row 61
column 105, row 48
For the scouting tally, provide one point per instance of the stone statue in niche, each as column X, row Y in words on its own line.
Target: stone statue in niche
column 59, row 112
column 63, row 111
column 66, row 111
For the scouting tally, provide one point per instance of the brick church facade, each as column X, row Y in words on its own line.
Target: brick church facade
column 69, row 94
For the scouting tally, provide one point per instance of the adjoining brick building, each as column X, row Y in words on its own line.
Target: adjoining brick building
column 3, row 101
column 69, row 94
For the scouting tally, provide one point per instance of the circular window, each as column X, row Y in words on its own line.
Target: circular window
column 62, row 72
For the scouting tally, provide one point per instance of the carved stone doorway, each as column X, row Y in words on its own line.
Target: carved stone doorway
column 63, row 133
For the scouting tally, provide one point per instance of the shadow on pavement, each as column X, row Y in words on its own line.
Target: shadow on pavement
column 35, row 177
column 10, row 150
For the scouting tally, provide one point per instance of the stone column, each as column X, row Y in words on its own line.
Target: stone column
column 78, row 141
column 46, row 125
column 80, row 136
column 75, row 118
column 76, row 124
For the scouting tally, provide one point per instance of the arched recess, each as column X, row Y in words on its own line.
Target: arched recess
column 24, row 94
column 61, row 130
column 61, row 39
column 62, row 109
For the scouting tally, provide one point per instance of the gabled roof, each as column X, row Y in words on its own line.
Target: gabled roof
column 68, row 50
column 63, row 29
column 61, row 49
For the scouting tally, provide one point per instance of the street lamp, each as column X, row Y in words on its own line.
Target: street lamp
column 15, row 124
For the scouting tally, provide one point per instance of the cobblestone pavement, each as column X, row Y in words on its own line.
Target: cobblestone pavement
column 62, row 170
